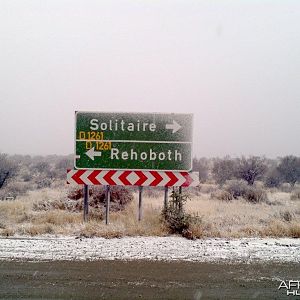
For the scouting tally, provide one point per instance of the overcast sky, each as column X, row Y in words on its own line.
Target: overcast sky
column 234, row 64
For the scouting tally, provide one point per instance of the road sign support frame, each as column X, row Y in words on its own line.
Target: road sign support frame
column 140, row 202
column 107, row 204
column 85, row 202
column 166, row 197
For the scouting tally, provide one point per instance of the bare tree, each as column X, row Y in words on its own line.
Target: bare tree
column 289, row 169
column 272, row 178
column 7, row 169
column 251, row 169
column 224, row 169
column 62, row 165
column 201, row 166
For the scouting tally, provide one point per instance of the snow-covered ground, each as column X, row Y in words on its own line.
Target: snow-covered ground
column 48, row 248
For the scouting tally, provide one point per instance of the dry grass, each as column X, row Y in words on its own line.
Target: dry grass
column 25, row 217
column 125, row 223
column 239, row 218
column 278, row 217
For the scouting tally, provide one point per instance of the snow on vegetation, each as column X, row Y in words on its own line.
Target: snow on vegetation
column 50, row 211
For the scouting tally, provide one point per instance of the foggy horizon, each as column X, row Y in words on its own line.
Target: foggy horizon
column 233, row 66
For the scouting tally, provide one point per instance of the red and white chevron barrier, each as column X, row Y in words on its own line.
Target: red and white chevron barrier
column 138, row 178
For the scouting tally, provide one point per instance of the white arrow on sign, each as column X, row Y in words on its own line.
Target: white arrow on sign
column 92, row 153
column 174, row 126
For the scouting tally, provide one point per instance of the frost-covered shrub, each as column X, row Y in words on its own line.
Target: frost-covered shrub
column 286, row 187
column 236, row 188
column 221, row 195
column 255, row 194
column 295, row 194
column 119, row 197
column 175, row 216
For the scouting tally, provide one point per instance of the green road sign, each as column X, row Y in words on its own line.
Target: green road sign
column 133, row 141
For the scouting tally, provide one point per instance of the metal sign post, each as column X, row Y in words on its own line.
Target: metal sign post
column 140, row 202
column 107, row 204
column 166, row 197
column 85, row 202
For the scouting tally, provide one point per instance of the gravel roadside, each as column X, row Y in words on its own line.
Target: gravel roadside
column 52, row 248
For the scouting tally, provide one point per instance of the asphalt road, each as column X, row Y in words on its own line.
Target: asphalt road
column 143, row 280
